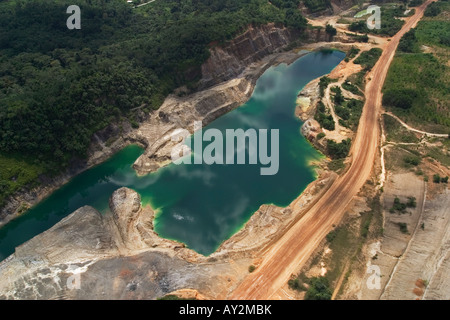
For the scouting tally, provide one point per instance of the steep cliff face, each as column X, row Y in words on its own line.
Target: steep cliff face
column 229, row 61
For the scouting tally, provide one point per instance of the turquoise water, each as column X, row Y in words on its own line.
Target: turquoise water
column 200, row 205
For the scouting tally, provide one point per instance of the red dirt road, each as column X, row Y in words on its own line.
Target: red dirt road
column 288, row 253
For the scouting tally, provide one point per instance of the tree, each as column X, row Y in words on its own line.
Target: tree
column 338, row 150
column 294, row 19
column 436, row 178
column 408, row 41
column 399, row 98
column 319, row 289
column 330, row 30
column 411, row 202
column 338, row 98
column 432, row 10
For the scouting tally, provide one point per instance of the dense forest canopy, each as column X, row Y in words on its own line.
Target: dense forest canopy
column 59, row 86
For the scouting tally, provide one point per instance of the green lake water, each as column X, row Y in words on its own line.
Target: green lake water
column 200, row 205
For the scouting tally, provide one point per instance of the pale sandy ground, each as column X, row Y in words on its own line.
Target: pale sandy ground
column 403, row 259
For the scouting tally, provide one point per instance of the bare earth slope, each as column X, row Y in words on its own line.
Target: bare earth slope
column 293, row 249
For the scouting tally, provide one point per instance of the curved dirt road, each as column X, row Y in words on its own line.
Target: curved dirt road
column 439, row 135
column 292, row 249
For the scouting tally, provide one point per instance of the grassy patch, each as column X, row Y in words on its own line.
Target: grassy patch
column 358, row 80
column 443, row 156
column 416, row 87
column 17, row 172
column 395, row 132
column 343, row 21
column 336, row 165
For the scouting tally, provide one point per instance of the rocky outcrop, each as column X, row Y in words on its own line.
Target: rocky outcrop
column 81, row 236
column 227, row 62
column 310, row 129
column 43, row 267
column 307, row 100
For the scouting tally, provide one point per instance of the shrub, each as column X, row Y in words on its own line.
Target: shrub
column 415, row 3
column 432, row 10
column 338, row 98
column 353, row 52
column 330, row 30
column 411, row 202
column 408, row 41
column 398, row 206
column 295, row 284
column 326, row 121
column 412, row 160
column 323, row 84
column 343, row 112
column 338, row 150
column 320, row 135
column 399, row 98
column 436, row 178
column 362, row 38
column 331, row 235
column 403, row 227
column 319, row 289
column 251, row 268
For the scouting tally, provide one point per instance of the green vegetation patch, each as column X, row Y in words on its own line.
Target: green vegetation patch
column 317, row 5
column 353, row 52
column 390, row 25
column 417, row 85
column 416, row 90
column 358, row 79
column 395, row 132
column 319, row 289
column 347, row 85
column 368, row 58
column 324, row 118
column 403, row 227
column 336, row 165
column 338, row 150
column 439, row 154
column 16, row 172
column 350, row 112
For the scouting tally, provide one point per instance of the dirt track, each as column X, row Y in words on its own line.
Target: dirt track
column 288, row 253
